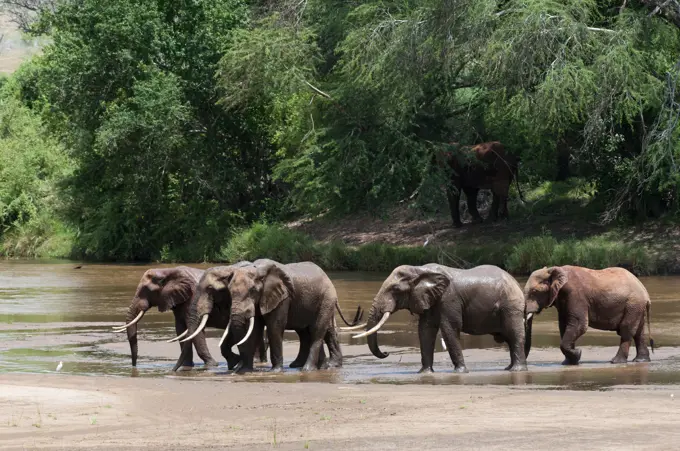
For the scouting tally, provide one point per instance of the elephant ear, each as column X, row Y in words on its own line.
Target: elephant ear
column 428, row 288
column 277, row 286
column 558, row 277
column 177, row 287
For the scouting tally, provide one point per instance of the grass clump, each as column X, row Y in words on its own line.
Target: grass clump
column 594, row 252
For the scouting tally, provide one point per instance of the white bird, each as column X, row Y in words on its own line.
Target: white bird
column 60, row 366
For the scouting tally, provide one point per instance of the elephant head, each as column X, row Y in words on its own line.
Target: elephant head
column 542, row 288
column 416, row 288
column 257, row 289
column 162, row 288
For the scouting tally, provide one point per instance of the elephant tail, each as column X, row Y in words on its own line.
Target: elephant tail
column 519, row 191
column 357, row 317
column 649, row 325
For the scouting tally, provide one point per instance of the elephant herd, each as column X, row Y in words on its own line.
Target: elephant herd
column 256, row 302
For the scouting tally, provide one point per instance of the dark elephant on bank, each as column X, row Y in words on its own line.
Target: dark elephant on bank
column 214, row 295
column 477, row 301
column 607, row 299
column 484, row 166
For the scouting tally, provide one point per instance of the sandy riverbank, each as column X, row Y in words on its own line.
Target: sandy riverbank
column 78, row 412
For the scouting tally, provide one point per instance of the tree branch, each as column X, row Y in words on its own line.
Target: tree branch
column 668, row 9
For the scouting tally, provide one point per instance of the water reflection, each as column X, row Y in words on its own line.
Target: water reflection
column 51, row 312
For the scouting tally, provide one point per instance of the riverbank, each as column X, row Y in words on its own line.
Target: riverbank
column 75, row 412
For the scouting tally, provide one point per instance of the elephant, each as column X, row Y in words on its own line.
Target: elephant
column 168, row 288
column 213, row 295
column 296, row 296
column 606, row 299
column 477, row 301
column 483, row 166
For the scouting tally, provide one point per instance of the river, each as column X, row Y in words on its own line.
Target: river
column 52, row 312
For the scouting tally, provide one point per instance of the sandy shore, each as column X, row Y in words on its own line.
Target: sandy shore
column 78, row 412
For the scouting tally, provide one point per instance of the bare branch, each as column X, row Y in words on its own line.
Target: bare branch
column 317, row 90
column 668, row 9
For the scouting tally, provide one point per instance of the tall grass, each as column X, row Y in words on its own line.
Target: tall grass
column 286, row 246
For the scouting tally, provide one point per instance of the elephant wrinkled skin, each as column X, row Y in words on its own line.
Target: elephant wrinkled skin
column 477, row 301
column 607, row 299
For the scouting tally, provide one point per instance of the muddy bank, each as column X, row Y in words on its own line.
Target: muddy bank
column 73, row 412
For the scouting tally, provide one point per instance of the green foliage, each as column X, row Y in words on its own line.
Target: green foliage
column 31, row 167
column 596, row 253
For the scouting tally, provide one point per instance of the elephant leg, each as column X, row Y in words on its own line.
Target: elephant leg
column 624, row 347
column 261, row 345
column 495, row 203
column 453, row 195
column 303, row 353
column 233, row 359
column 641, row 349
column 334, row 351
column 428, row 326
column 451, row 336
column 575, row 328
column 180, row 327
column 315, row 348
column 275, row 328
column 471, row 195
column 513, row 326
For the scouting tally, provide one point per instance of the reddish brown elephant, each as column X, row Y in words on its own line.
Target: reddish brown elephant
column 484, row 166
column 607, row 299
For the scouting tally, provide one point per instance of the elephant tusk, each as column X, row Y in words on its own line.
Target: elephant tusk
column 201, row 326
column 178, row 337
column 131, row 323
column 224, row 335
column 250, row 330
column 376, row 328
column 360, row 326
column 529, row 316
column 443, row 343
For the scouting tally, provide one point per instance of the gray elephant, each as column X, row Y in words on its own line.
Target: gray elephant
column 167, row 289
column 477, row 301
column 214, row 298
column 297, row 296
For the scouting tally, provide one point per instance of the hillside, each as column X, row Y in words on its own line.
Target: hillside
column 14, row 48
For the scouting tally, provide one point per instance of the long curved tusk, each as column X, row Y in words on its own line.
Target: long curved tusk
column 131, row 323
column 443, row 344
column 376, row 328
column 360, row 326
column 201, row 326
column 178, row 337
column 529, row 316
column 226, row 332
column 250, row 330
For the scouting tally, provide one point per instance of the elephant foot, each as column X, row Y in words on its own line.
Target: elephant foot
column 276, row 369
column 296, row 364
column 619, row 359
column 259, row 359
column 642, row 358
column 460, row 369
column 210, row 363
column 244, row 370
column 517, row 367
column 332, row 364
column 572, row 359
column 186, row 368
column 308, row 368
column 426, row 370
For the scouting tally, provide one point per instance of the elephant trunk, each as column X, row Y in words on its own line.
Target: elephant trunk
column 374, row 318
column 527, row 334
column 139, row 305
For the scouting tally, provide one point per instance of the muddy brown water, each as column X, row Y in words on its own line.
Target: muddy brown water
column 52, row 312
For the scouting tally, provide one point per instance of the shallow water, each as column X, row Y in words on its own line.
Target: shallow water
column 51, row 312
